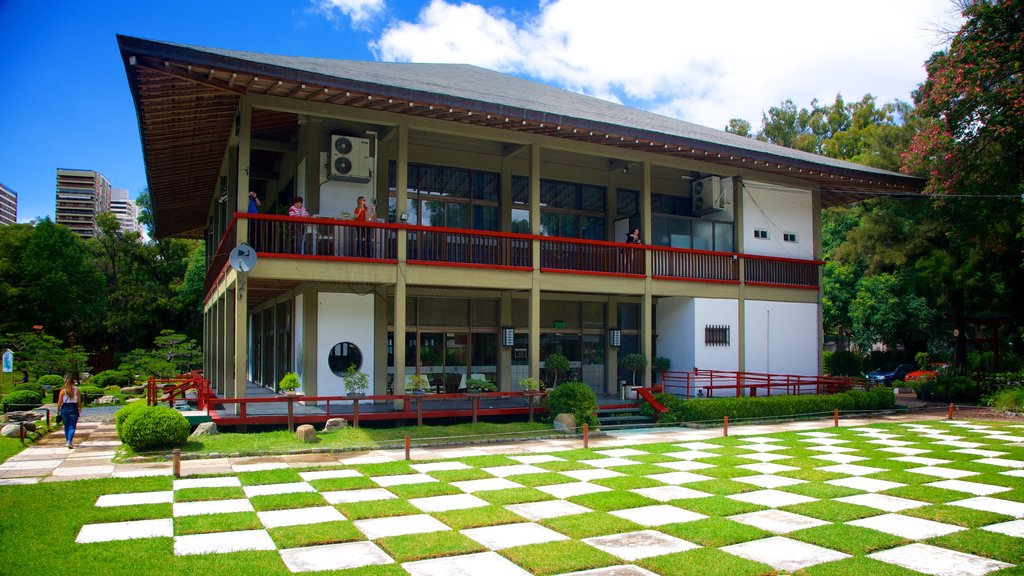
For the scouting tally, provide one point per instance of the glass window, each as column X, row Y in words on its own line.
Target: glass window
column 456, row 183
column 627, row 202
column 484, row 313
column 593, row 228
column 486, row 218
column 343, row 355
column 593, row 198
column 520, row 313
column 723, row 237
column 432, row 212
column 521, row 190
column 444, row 312
column 555, row 314
column 680, row 233
column 486, row 186
column 485, row 353
column 457, row 215
column 629, row 317
column 702, row 235
column 593, row 314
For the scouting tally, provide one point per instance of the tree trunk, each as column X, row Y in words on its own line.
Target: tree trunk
column 960, row 332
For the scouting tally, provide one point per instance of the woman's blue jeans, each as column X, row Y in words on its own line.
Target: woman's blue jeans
column 69, row 413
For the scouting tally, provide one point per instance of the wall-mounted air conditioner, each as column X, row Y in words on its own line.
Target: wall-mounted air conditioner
column 351, row 159
column 710, row 194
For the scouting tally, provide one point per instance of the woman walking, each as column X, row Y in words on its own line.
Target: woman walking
column 69, row 402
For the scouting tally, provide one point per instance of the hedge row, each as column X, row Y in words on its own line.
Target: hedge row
column 147, row 427
column 710, row 409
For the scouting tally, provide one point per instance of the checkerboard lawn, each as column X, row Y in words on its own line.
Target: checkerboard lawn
column 891, row 499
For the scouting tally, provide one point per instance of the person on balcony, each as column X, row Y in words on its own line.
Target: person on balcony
column 254, row 208
column 297, row 210
column 633, row 237
column 362, row 234
column 632, row 256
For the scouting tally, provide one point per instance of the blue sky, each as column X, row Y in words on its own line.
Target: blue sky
column 67, row 104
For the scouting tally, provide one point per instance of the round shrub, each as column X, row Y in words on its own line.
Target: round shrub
column 574, row 398
column 860, row 399
column 112, row 390
column 885, row 396
column 111, row 378
column 33, row 386
column 122, row 414
column 22, row 400
column 154, row 427
column 50, row 381
column 90, row 392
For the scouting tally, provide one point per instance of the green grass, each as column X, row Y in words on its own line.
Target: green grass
column 206, row 523
column 858, row 566
column 613, row 500
column 513, row 496
column 957, row 515
column 716, row 505
column 413, row 547
column 590, row 524
column 477, row 517
column 279, row 476
column 714, row 532
column 832, row 511
column 351, row 438
column 559, row 557
column 205, row 494
column 984, row 543
column 423, row 490
column 848, row 539
column 314, row 534
column 541, row 479
column 376, row 509
column 704, row 562
column 287, row 501
column 459, row 475
column 331, row 484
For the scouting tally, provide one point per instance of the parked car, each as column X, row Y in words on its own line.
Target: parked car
column 921, row 375
column 888, row 373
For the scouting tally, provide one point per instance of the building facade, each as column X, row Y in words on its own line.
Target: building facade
column 498, row 214
column 125, row 210
column 8, row 206
column 81, row 196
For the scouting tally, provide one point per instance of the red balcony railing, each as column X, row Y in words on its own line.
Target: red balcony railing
column 787, row 272
column 348, row 240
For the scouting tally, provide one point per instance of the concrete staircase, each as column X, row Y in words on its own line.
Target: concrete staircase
column 619, row 418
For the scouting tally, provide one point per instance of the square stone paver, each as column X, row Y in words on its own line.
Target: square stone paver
column 547, row 509
column 825, row 441
column 643, row 544
column 905, row 451
column 484, row 563
column 349, row 496
column 767, row 467
column 111, row 531
column 768, row 481
column 101, row 471
column 622, row 452
column 299, row 516
column 591, row 474
column 777, row 521
column 865, row 484
column 334, row 557
column 975, row 488
column 449, row 502
column 571, row 489
column 685, row 465
column 832, row 449
column 999, row 506
column 622, row 570
column 948, row 473
column 783, row 553
column 612, row 462
column 921, row 460
column 439, row 466
column 108, row 500
column 771, row 498
column 959, row 444
column 817, row 434
column 938, row 561
column 1002, row 462
column 697, row 446
column 485, row 484
column 762, row 456
column 537, row 459
column 668, row 493
column 657, row 515
column 402, row 479
column 691, row 455
column 759, row 439
column 509, row 535
column 839, row 458
column 1013, row 528
column 211, row 507
column 259, row 467
column 514, row 470
column 399, row 525
column 326, row 474
column 906, row 526
column 273, row 489
column 980, row 452
column 223, row 542
column 882, row 502
column 679, row 477
column 852, row 469
column 762, row 447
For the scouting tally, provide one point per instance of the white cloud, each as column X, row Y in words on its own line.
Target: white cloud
column 705, row 62
column 361, row 12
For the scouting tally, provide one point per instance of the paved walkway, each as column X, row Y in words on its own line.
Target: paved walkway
column 49, row 460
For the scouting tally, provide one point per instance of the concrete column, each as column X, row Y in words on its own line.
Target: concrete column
column 380, row 340
column 534, row 324
column 611, row 354
column 739, row 240
column 816, row 235
column 241, row 196
column 401, row 188
column 310, row 146
column 310, row 344
column 647, row 304
column 228, row 363
column 505, row 380
column 241, row 341
column 505, row 199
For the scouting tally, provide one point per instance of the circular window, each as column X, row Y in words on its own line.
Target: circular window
column 343, row 355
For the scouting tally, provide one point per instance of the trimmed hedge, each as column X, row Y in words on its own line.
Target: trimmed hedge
column 90, row 392
column 50, row 380
column 123, row 413
column 33, row 386
column 574, row 398
column 949, row 389
column 154, row 427
column 713, row 409
column 22, row 400
column 108, row 378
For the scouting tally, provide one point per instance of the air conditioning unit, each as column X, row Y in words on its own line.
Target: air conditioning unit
column 351, row 159
column 711, row 194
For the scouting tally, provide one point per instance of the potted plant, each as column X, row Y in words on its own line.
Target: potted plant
column 529, row 384
column 356, row 382
column 479, row 385
column 289, row 384
column 661, row 365
column 417, row 384
column 557, row 364
column 634, row 363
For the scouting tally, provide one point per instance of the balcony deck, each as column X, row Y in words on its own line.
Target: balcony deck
column 372, row 242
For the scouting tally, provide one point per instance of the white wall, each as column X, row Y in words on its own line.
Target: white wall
column 298, row 349
column 337, row 198
column 342, row 318
column 777, row 210
column 782, row 337
column 716, row 312
column 681, row 323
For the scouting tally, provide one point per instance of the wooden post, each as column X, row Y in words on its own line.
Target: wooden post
column 419, row 411
column 407, row 444
column 835, row 417
column 355, row 412
column 949, row 416
column 529, row 399
column 291, row 421
column 475, row 401
column 725, row 426
column 176, row 462
column 586, row 435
